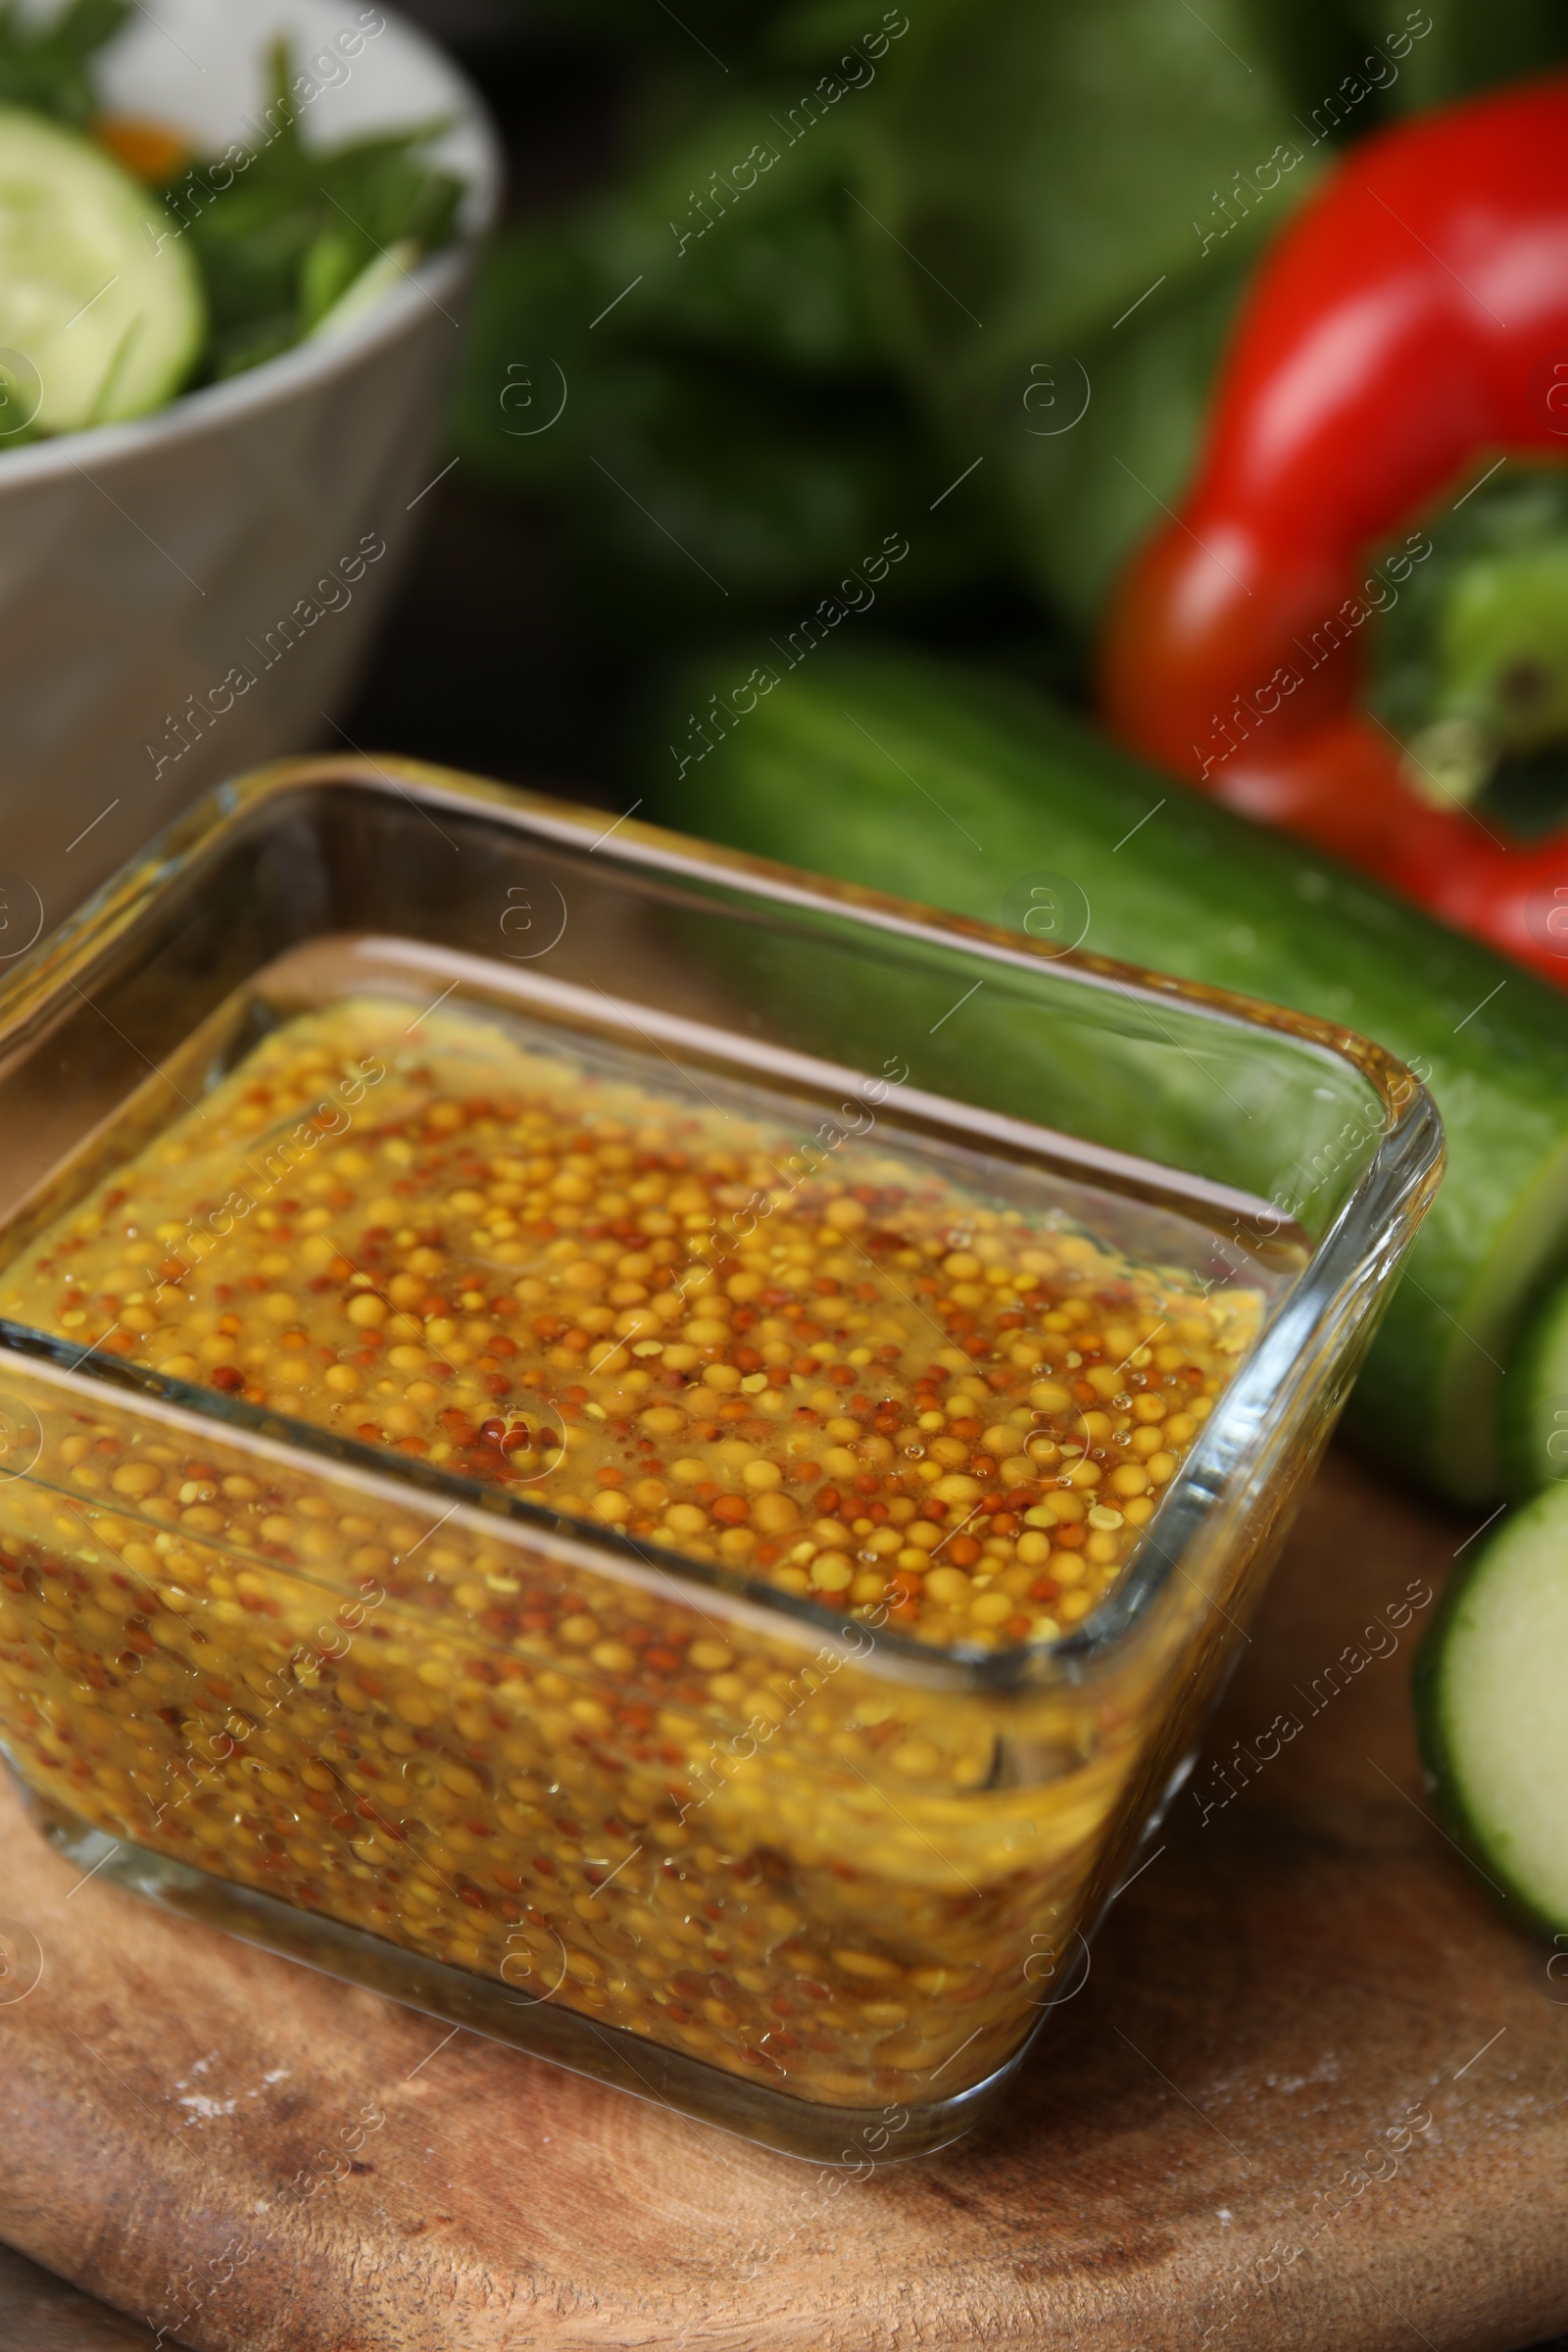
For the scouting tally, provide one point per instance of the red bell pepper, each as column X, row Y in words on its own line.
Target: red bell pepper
column 1410, row 328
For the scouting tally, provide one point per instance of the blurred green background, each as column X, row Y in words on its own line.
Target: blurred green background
column 779, row 281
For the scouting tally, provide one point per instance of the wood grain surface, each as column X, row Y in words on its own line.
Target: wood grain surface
column 40, row 2313
column 1311, row 2094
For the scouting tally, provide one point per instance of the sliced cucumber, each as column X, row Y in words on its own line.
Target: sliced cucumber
column 1492, row 1707
column 98, row 293
column 367, row 292
column 1536, row 1429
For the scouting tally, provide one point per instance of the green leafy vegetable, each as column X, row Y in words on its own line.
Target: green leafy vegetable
column 48, row 67
column 1473, row 45
column 282, row 232
column 1093, row 183
column 731, row 441
column 1137, row 155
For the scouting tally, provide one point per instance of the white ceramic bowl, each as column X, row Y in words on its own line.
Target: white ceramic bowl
column 147, row 570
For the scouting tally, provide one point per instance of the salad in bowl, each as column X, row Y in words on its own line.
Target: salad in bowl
column 136, row 263
column 236, row 238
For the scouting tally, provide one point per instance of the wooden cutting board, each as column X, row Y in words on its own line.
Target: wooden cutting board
column 1313, row 2094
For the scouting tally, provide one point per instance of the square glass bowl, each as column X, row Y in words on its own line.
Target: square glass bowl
column 730, row 1847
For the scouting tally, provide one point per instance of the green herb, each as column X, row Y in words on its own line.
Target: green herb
column 282, row 230
column 48, row 67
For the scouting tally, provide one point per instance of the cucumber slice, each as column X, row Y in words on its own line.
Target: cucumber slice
column 1536, row 1429
column 1492, row 1707
column 97, row 293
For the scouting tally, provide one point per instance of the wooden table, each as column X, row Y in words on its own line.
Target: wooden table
column 1297, row 1975
column 40, row 2313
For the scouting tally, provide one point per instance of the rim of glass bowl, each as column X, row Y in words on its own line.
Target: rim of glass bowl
column 1266, row 1391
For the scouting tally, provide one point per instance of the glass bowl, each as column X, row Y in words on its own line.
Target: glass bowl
column 784, row 1863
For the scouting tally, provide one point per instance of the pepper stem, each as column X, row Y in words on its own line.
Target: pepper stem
column 1451, row 760
column 1480, row 643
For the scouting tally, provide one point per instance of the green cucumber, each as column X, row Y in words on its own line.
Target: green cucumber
column 1537, row 1431
column 1490, row 1708
column 98, row 292
column 941, row 785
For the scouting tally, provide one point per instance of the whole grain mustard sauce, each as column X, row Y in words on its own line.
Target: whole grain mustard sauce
column 838, row 1373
